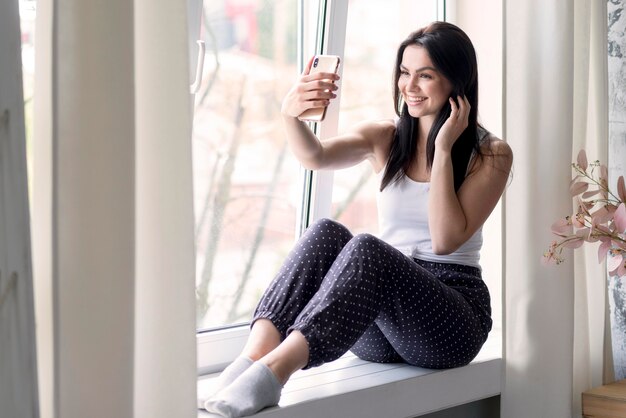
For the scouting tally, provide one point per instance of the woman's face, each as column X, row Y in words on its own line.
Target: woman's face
column 424, row 89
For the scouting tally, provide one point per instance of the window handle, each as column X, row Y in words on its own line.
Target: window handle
column 195, row 87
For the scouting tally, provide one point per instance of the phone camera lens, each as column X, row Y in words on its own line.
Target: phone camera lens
column 315, row 62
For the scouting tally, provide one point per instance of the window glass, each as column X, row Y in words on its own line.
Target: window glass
column 373, row 34
column 246, row 189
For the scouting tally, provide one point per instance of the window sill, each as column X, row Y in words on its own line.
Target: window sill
column 350, row 387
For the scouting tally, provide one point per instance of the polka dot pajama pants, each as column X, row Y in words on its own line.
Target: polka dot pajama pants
column 361, row 294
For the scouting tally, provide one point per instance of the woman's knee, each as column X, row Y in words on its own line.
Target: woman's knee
column 365, row 240
column 326, row 225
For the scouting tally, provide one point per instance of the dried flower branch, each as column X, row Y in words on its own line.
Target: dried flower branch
column 600, row 217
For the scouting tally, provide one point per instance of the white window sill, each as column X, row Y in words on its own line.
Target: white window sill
column 350, row 387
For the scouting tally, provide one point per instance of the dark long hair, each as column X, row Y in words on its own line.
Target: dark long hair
column 453, row 55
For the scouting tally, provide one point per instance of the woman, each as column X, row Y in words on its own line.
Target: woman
column 415, row 294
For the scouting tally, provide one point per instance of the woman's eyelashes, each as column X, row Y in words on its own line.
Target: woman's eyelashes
column 405, row 73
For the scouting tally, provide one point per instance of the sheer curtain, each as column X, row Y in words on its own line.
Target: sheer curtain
column 555, row 104
column 112, row 212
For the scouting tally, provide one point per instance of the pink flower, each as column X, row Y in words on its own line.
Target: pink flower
column 620, row 218
column 600, row 216
column 603, row 249
column 621, row 188
column 579, row 220
column 582, row 159
column 578, row 188
column 562, row 226
column 551, row 257
column 604, row 177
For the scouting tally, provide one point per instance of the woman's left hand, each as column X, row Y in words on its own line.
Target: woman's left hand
column 455, row 125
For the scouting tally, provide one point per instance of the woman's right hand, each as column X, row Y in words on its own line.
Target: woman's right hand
column 309, row 91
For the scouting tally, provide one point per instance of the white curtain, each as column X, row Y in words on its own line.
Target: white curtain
column 112, row 213
column 165, row 308
column 555, row 104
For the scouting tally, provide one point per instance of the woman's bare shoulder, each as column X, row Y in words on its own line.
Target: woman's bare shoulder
column 498, row 151
column 496, row 147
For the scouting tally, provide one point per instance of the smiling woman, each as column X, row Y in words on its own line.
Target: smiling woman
column 235, row 263
column 421, row 302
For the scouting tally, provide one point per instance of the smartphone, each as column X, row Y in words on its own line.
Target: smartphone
column 324, row 64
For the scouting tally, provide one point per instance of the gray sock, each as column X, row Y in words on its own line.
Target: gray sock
column 254, row 390
column 228, row 376
column 232, row 372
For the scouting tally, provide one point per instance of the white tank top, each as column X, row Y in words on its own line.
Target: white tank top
column 403, row 223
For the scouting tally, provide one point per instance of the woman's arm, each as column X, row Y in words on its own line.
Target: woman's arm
column 366, row 140
column 454, row 217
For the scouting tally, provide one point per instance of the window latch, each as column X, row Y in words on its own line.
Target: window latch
column 195, row 87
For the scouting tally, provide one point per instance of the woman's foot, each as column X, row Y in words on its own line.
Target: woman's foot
column 253, row 390
column 232, row 372
column 228, row 376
